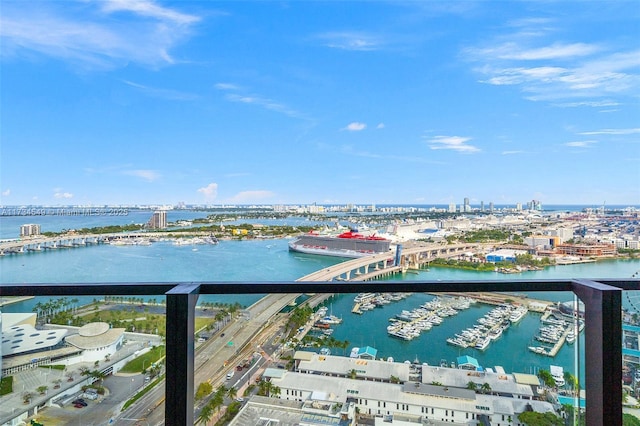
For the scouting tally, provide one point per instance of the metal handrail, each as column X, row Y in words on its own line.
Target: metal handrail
column 601, row 297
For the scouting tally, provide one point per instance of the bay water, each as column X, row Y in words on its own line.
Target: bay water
column 270, row 260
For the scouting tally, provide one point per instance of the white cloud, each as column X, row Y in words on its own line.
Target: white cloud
column 63, row 195
column 6, row 193
column 226, row 86
column 169, row 94
column 553, row 70
column 149, row 9
column 210, row 191
column 613, row 132
column 380, row 126
column 513, row 152
column 251, row 196
column 148, row 175
column 455, row 143
column 355, row 126
column 100, row 35
column 236, row 94
column 554, row 51
column 594, row 104
column 358, row 41
column 581, row 144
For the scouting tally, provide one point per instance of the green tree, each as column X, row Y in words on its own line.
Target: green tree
column 531, row 418
column 206, row 414
column 204, row 389
column 232, row 392
column 547, row 378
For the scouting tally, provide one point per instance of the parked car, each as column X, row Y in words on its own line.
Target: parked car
column 79, row 401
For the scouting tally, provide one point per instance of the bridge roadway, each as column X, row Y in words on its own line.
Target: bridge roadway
column 40, row 243
column 377, row 265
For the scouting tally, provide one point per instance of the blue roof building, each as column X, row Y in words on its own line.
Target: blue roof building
column 468, row 363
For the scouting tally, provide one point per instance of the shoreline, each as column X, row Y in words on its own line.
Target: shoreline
column 9, row 300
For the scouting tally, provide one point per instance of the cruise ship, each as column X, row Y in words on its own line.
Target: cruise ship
column 348, row 244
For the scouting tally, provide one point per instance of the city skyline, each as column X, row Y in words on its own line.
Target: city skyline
column 154, row 102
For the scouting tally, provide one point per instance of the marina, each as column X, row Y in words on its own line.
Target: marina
column 489, row 328
column 408, row 325
column 271, row 260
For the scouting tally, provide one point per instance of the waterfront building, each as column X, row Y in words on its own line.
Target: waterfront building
column 97, row 340
column 24, row 346
column 467, row 206
column 452, row 208
column 543, row 242
column 491, row 206
column 29, row 230
column 565, row 234
column 158, row 220
column 587, row 250
column 504, row 255
column 436, row 394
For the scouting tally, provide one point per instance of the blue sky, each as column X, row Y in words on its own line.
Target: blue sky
column 160, row 102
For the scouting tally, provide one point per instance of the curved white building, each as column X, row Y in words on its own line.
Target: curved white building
column 97, row 340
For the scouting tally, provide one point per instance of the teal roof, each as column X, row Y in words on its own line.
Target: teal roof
column 368, row 350
column 465, row 360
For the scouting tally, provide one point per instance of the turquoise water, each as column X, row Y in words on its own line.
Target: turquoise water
column 270, row 260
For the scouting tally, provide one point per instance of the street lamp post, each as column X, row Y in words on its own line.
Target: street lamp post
column 143, row 361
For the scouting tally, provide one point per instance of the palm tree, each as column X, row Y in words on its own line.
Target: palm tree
column 547, row 378
column 206, row 414
column 571, row 381
column 265, row 387
column 352, row 373
column 275, row 391
column 486, row 387
column 232, row 392
column 471, row 386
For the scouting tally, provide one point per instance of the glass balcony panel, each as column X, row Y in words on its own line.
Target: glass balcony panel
column 225, row 337
column 71, row 359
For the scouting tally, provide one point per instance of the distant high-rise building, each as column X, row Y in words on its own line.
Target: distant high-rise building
column 452, row 207
column 29, row 230
column 518, row 206
column 534, row 205
column 467, row 206
column 158, row 220
column 481, row 206
column 491, row 206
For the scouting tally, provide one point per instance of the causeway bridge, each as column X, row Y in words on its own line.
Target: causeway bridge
column 40, row 243
column 384, row 264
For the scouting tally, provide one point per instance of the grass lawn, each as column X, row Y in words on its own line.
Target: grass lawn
column 6, row 385
column 141, row 319
column 136, row 365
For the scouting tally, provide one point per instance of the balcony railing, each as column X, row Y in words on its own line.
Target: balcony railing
column 602, row 299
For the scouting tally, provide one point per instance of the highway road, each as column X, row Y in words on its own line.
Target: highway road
column 219, row 355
